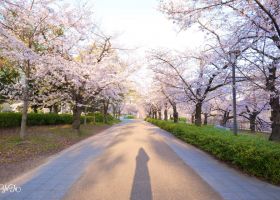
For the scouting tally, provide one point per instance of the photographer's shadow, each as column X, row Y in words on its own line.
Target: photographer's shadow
column 141, row 188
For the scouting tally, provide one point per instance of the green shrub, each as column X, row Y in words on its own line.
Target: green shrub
column 183, row 119
column 48, row 119
column 180, row 119
column 14, row 119
column 99, row 117
column 252, row 154
column 129, row 117
column 10, row 119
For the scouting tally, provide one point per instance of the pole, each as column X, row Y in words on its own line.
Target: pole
column 234, row 97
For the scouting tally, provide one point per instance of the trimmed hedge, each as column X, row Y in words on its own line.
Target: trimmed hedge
column 14, row 119
column 253, row 154
column 129, row 117
column 99, row 117
column 181, row 119
column 48, row 119
column 10, row 119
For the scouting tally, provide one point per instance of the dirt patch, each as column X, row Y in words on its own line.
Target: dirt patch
column 19, row 156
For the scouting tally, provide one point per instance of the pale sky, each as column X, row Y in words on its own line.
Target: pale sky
column 137, row 24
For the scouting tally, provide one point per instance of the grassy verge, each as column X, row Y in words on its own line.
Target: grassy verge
column 252, row 154
column 41, row 142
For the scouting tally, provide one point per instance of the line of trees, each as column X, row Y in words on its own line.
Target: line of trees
column 52, row 54
column 240, row 33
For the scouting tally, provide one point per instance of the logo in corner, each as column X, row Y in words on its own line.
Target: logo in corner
column 9, row 188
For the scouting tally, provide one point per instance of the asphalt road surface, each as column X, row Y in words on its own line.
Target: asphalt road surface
column 138, row 161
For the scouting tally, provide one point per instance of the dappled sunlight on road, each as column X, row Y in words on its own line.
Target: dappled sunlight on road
column 138, row 161
column 140, row 165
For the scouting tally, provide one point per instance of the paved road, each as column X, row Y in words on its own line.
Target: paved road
column 137, row 161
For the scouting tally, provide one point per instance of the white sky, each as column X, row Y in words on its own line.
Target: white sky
column 139, row 25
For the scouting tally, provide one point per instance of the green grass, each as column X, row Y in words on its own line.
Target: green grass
column 253, row 154
column 42, row 140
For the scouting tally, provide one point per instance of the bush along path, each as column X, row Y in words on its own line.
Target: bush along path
column 252, row 154
column 14, row 119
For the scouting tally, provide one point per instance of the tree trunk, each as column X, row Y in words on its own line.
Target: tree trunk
column 105, row 111
column 176, row 117
column 225, row 118
column 175, row 114
column 205, row 119
column 155, row 113
column 77, row 111
column 114, row 111
column 192, row 120
column 165, row 115
column 35, row 109
column 24, row 119
column 274, row 102
column 275, row 118
column 150, row 114
column 119, row 113
column 25, row 108
column 51, row 109
column 159, row 115
column 198, row 108
column 55, row 108
column 104, row 114
column 224, row 122
column 253, row 123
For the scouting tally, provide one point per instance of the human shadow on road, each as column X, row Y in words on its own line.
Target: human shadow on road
column 141, row 188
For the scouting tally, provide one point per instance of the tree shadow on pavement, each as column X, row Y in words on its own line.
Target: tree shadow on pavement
column 141, row 188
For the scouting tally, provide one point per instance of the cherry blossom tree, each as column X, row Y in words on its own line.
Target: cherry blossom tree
column 197, row 77
column 59, row 55
column 253, row 103
column 37, row 35
column 254, row 24
column 157, row 100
